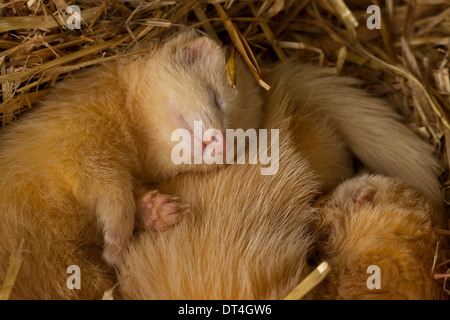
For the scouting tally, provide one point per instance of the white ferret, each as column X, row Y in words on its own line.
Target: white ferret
column 76, row 170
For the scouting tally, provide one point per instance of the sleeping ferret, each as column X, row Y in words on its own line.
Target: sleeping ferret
column 377, row 234
column 75, row 171
column 250, row 236
column 257, row 237
column 247, row 235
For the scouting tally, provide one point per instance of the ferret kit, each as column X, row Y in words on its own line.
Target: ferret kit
column 224, row 150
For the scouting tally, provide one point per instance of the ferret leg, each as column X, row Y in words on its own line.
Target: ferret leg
column 116, row 215
column 158, row 211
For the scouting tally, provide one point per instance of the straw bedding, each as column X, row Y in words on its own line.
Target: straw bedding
column 406, row 61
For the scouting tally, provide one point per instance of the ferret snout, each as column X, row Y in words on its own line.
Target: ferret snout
column 216, row 140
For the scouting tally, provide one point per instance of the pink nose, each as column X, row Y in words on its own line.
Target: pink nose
column 218, row 142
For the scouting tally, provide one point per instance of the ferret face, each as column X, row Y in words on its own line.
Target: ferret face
column 187, row 84
column 378, row 221
column 371, row 191
column 372, row 195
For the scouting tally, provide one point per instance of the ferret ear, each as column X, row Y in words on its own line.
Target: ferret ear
column 200, row 49
column 364, row 195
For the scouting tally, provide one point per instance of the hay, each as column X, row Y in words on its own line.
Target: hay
column 407, row 61
column 15, row 262
column 310, row 282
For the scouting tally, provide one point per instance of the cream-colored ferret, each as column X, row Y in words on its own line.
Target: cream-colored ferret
column 251, row 237
column 378, row 236
column 256, row 244
column 75, row 171
column 247, row 236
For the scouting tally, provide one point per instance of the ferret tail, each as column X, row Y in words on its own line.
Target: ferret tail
column 371, row 128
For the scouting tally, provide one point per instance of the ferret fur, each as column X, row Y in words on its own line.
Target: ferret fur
column 367, row 125
column 251, row 236
column 238, row 241
column 378, row 221
column 71, row 170
column 247, row 236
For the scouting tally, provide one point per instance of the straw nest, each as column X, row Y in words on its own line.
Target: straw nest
column 407, row 60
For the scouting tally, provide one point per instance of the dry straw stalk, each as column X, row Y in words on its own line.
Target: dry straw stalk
column 407, row 61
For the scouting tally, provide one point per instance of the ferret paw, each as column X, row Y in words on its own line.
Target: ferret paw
column 158, row 211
